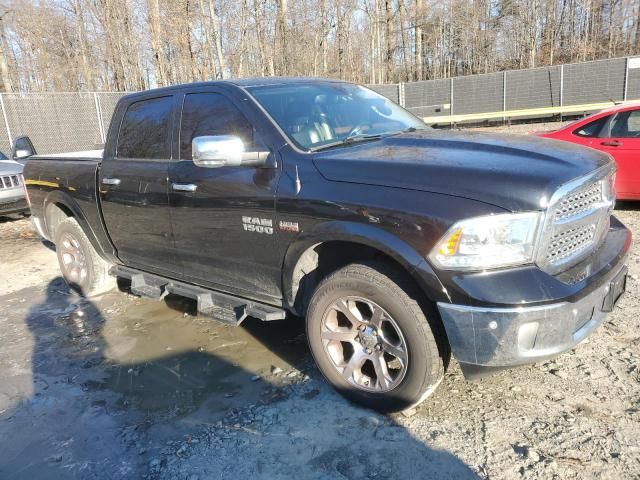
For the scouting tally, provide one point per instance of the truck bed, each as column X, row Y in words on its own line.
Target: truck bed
column 79, row 155
column 68, row 179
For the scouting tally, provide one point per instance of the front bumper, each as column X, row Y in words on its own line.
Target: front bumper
column 488, row 338
column 18, row 205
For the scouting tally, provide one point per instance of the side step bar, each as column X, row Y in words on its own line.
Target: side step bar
column 225, row 308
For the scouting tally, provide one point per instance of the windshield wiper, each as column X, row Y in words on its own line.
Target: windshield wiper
column 348, row 141
column 408, row 130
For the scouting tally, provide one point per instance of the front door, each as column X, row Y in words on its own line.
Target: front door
column 623, row 143
column 133, row 187
column 223, row 218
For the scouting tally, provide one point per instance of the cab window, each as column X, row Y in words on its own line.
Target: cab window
column 213, row 114
column 144, row 132
column 591, row 129
column 626, row 125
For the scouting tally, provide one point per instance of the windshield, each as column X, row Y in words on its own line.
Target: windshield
column 321, row 114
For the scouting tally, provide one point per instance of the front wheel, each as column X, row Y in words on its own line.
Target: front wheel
column 371, row 339
column 81, row 266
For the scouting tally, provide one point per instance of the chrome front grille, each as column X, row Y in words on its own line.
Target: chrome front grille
column 577, row 221
column 580, row 201
column 9, row 181
column 570, row 242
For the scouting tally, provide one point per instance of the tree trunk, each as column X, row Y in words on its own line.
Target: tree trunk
column 406, row 58
column 4, row 63
column 324, row 34
column 281, row 50
column 388, row 33
column 82, row 41
column 192, row 54
column 243, row 36
column 418, row 51
column 637, row 34
column 218, row 38
column 156, row 45
column 209, row 44
column 380, row 67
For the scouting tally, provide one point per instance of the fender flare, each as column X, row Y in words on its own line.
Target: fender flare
column 372, row 236
column 58, row 197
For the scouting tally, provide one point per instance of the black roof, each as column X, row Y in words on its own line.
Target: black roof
column 238, row 82
column 256, row 81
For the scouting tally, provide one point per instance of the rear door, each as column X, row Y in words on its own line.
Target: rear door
column 622, row 141
column 133, row 185
column 224, row 218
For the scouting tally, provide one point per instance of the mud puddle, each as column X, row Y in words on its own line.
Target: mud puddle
column 126, row 375
column 162, row 358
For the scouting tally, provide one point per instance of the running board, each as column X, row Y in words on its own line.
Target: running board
column 220, row 306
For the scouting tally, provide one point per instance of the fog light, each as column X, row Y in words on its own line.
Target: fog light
column 527, row 335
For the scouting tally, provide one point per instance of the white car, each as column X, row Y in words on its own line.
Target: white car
column 12, row 193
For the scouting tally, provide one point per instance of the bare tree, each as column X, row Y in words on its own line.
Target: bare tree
column 4, row 63
column 133, row 44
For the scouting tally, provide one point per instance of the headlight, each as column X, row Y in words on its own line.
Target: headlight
column 487, row 242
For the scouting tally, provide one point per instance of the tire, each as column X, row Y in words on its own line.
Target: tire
column 81, row 266
column 410, row 363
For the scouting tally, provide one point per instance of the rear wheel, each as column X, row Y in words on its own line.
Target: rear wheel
column 371, row 339
column 81, row 266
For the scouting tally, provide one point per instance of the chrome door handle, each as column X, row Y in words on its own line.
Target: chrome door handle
column 184, row 187
column 111, row 181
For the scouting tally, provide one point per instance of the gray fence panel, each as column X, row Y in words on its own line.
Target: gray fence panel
column 535, row 88
column 108, row 102
column 389, row 91
column 633, row 85
column 428, row 98
column 478, row 93
column 594, row 82
column 57, row 122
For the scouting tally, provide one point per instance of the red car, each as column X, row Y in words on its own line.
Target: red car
column 616, row 131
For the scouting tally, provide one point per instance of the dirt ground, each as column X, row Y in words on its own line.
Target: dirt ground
column 124, row 387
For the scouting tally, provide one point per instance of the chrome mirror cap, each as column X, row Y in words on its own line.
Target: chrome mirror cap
column 21, row 154
column 217, row 151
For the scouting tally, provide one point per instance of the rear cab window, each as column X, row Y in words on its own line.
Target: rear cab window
column 145, row 131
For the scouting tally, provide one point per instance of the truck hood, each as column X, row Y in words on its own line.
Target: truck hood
column 9, row 167
column 515, row 172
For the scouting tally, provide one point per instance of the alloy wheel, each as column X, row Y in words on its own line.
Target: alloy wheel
column 73, row 259
column 365, row 344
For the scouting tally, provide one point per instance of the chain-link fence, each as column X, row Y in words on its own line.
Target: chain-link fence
column 56, row 122
column 59, row 122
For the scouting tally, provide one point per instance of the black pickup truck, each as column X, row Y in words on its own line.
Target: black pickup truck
column 399, row 244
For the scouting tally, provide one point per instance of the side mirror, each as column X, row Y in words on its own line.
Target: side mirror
column 22, row 148
column 215, row 151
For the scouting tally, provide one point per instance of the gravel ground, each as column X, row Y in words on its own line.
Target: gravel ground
column 123, row 387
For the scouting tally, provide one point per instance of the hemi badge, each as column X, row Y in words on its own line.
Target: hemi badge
column 289, row 226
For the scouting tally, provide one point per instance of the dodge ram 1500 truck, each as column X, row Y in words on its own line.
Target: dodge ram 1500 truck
column 400, row 245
